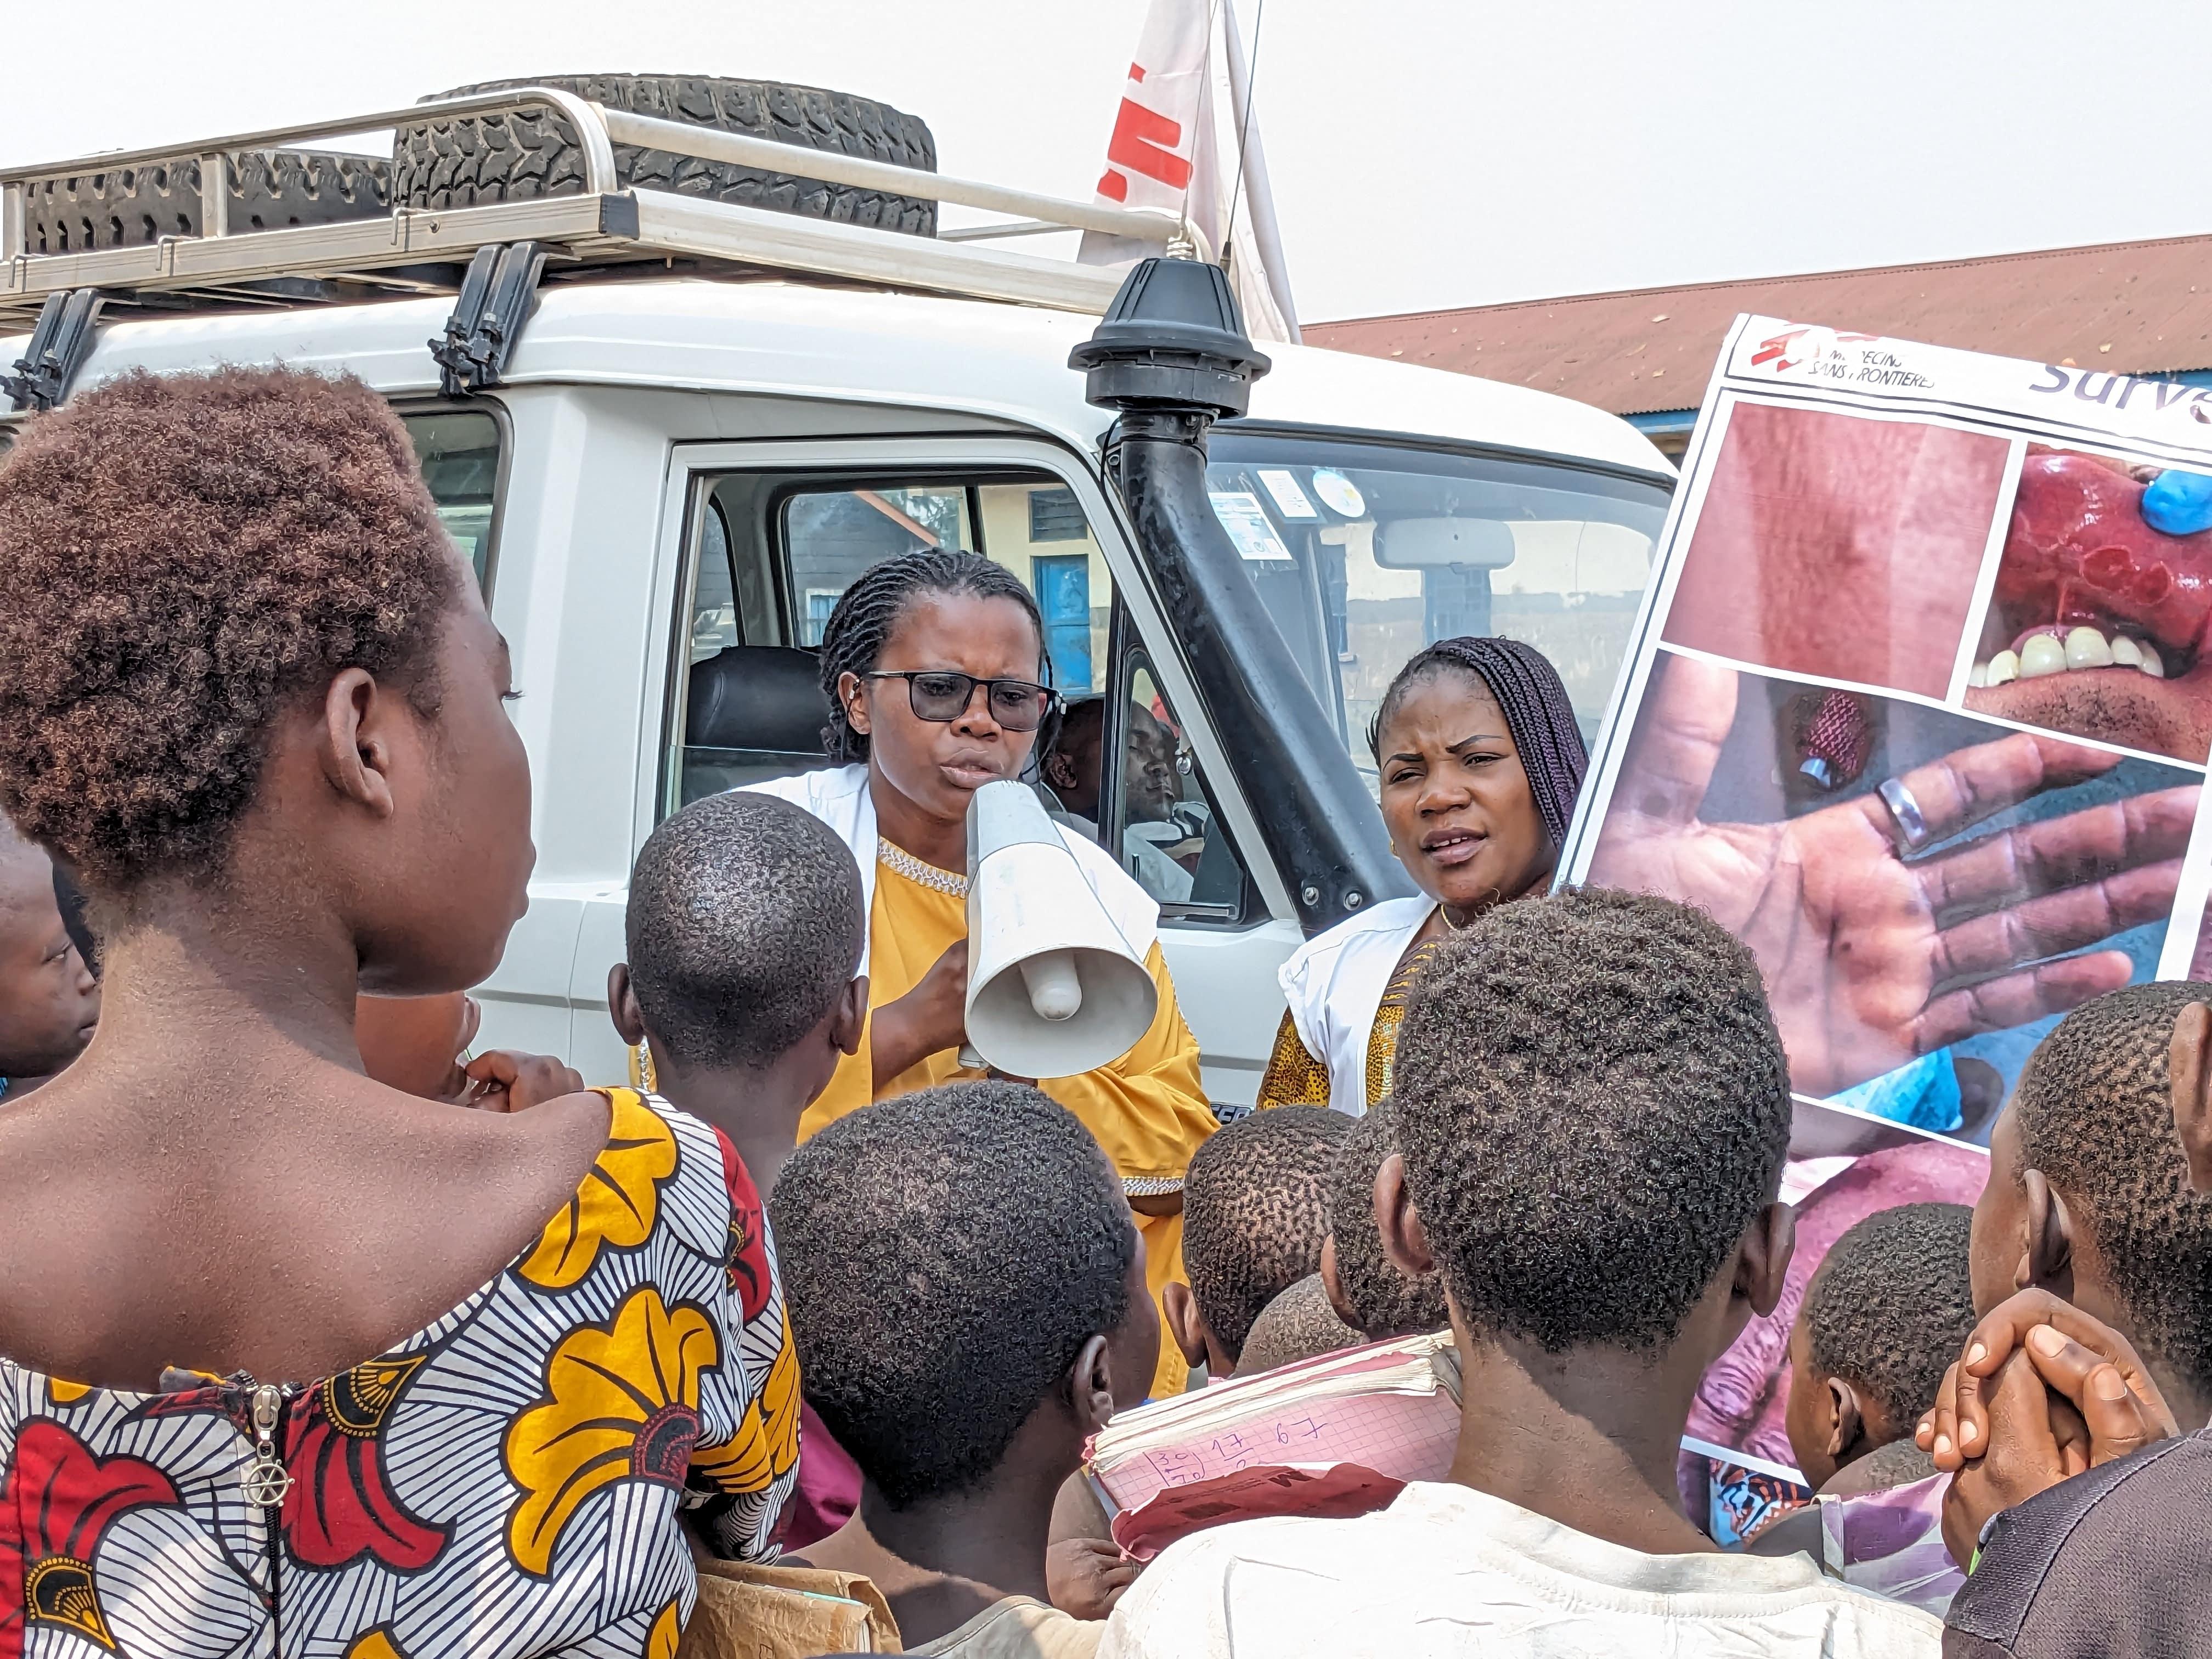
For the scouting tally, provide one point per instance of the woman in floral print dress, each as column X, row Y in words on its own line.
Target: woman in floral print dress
column 290, row 1362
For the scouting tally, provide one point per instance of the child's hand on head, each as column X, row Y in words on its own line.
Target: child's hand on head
column 1086, row 1575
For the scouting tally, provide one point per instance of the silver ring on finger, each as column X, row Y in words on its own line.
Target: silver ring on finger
column 1905, row 813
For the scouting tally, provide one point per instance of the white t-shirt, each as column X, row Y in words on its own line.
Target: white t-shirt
column 1447, row 1570
column 1019, row 1628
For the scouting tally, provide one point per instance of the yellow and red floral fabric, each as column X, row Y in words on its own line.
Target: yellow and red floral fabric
column 507, row 1481
column 1295, row 1076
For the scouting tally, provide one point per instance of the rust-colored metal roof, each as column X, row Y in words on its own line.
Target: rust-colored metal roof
column 2136, row 307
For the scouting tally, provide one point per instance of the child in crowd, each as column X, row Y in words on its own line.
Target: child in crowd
column 968, row 1290
column 744, row 936
column 1254, row 1217
column 1883, row 1318
column 2111, row 1560
column 2094, row 1227
column 2089, row 1194
column 1371, row 1293
column 49, row 998
column 1296, row 1325
column 1592, row 1110
column 743, row 931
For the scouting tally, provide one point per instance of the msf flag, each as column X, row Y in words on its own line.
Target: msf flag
column 1171, row 151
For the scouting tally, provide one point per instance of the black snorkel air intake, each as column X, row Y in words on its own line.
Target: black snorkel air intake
column 1171, row 358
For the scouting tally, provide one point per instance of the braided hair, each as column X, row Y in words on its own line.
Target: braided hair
column 1537, row 712
column 852, row 640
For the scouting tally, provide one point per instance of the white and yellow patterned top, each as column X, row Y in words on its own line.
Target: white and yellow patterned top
column 506, row 1481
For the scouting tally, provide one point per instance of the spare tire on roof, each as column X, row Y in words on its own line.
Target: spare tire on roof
column 472, row 158
column 136, row 206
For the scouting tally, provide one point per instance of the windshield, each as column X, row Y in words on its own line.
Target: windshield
column 1366, row 552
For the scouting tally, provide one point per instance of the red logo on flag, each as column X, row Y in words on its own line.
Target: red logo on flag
column 1144, row 141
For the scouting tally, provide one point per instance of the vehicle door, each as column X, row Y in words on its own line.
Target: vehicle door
column 770, row 534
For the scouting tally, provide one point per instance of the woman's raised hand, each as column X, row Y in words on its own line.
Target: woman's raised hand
column 927, row 1020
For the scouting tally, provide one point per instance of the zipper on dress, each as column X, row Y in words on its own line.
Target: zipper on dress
column 268, row 1482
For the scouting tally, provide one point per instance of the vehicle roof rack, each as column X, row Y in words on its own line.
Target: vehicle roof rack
column 607, row 230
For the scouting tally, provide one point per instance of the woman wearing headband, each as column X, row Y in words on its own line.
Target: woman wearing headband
column 1479, row 762
column 932, row 665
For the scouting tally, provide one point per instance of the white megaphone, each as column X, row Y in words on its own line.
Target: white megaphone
column 1053, row 989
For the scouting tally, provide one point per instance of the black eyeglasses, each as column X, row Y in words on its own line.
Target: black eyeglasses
column 942, row 696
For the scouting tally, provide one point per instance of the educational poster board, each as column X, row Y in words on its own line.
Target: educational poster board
column 1919, row 707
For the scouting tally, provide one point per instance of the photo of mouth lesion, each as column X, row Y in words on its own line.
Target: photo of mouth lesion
column 2096, row 625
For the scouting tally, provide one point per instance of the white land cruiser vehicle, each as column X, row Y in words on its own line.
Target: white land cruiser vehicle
column 669, row 424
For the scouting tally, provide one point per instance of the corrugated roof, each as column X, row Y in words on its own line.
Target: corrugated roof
column 2135, row 307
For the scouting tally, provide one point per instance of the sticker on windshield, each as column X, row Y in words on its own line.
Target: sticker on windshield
column 1246, row 521
column 1340, row 492
column 1289, row 498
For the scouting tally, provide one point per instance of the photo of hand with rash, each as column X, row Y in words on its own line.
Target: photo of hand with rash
column 2102, row 603
column 1910, row 879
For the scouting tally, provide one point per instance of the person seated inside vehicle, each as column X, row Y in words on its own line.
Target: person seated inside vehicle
column 1592, row 1112
column 931, row 672
column 1152, row 835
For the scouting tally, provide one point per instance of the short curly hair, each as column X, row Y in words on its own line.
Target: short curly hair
column 1892, row 1304
column 1256, row 1212
column 745, row 925
column 1385, row 1300
column 1296, row 1325
column 2094, row 1113
column 181, row 557
column 1593, row 1105
column 946, row 1255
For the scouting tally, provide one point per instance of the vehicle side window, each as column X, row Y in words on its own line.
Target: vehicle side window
column 714, row 602
column 459, row 453
column 774, row 553
column 1171, row 839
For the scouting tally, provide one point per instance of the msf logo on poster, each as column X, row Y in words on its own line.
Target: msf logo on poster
column 1801, row 348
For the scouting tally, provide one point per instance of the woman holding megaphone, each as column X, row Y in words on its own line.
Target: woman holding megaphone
column 933, row 666
column 1480, row 760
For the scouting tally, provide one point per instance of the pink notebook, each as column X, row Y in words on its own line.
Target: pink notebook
column 1389, row 1411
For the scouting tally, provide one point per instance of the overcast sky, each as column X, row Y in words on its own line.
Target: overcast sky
column 1425, row 154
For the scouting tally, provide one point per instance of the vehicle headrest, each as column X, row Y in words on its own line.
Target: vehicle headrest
column 756, row 697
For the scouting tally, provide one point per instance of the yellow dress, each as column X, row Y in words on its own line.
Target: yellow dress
column 1295, row 1078
column 1147, row 1109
